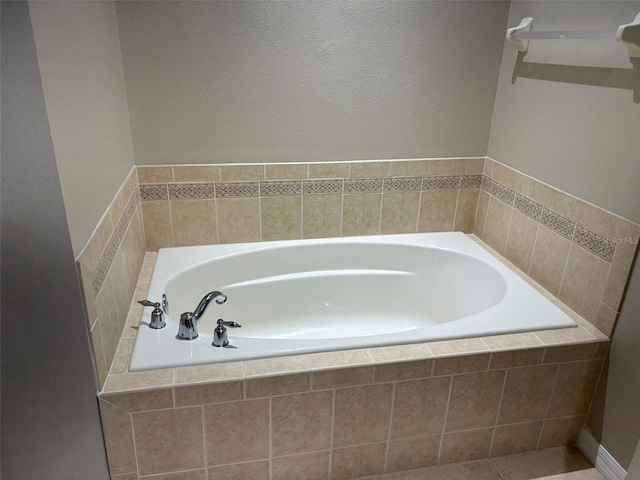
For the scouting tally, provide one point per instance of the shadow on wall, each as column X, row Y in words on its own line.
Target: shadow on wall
column 624, row 78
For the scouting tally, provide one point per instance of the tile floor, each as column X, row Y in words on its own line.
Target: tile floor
column 549, row 464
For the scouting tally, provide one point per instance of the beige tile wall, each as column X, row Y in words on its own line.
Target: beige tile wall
column 194, row 205
column 350, row 422
column 108, row 268
column 581, row 254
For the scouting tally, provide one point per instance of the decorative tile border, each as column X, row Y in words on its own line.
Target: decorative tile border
column 109, row 253
column 528, row 207
column 502, row 193
column 595, row 243
column 174, row 191
column 153, row 191
column 557, row 223
column 191, row 190
column 440, row 183
column 237, row 189
column 470, row 181
column 322, row 186
column 280, row 188
column 578, row 234
column 363, row 185
column 403, row 184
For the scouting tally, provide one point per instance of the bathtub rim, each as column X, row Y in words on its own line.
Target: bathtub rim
column 120, row 381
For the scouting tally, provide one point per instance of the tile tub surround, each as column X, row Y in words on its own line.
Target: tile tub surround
column 351, row 413
column 108, row 268
column 577, row 251
column 208, row 204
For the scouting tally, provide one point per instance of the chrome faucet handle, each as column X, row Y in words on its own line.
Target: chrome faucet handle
column 157, row 316
column 228, row 324
column 220, row 335
column 165, row 304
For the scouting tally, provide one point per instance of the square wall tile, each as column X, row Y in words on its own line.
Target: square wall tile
column 310, row 466
column 399, row 212
column 584, row 282
column 157, row 435
column 497, row 224
column 362, row 415
column 481, row 214
column 354, row 462
column 465, row 446
column 361, row 214
column 420, row 407
column 521, row 240
column 118, row 439
column 574, row 388
column 413, row 453
column 437, row 210
column 560, row 432
column 251, row 470
column 193, row 222
column 518, row 438
column 238, row 220
column 157, row 224
column 281, row 218
column 301, row 423
column 475, row 400
column 237, row 431
column 466, row 210
column 322, row 215
column 550, row 256
column 527, row 393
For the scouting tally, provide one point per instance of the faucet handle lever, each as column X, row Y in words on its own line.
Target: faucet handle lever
column 148, row 303
column 157, row 316
column 228, row 324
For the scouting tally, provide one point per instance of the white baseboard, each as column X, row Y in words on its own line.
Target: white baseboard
column 598, row 455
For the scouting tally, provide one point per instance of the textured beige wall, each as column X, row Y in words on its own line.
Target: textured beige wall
column 308, row 81
column 81, row 68
column 575, row 125
column 620, row 422
column 634, row 469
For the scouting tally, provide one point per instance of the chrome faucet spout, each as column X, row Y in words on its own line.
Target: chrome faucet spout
column 188, row 328
column 219, row 298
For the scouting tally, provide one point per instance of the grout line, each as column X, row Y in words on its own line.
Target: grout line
column 393, row 404
column 533, row 250
column 444, row 426
column 170, row 217
column 381, row 204
column 333, row 421
column 495, row 425
column 455, row 212
column 546, row 415
column 133, row 439
column 155, row 475
column 204, row 442
column 270, row 438
column 342, row 204
column 419, row 204
column 301, row 210
column 564, row 271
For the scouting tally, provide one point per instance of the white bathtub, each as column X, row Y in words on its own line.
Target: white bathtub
column 307, row 296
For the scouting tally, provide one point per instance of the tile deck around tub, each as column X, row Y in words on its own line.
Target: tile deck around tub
column 292, row 373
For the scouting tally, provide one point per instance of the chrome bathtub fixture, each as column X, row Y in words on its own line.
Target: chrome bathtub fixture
column 157, row 316
column 165, row 304
column 188, row 329
column 220, row 336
